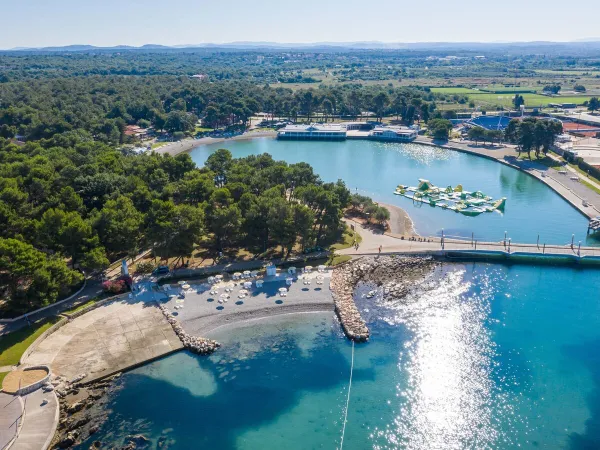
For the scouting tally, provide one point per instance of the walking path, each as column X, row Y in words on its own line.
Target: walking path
column 39, row 421
column 572, row 191
column 11, row 409
column 92, row 289
column 371, row 242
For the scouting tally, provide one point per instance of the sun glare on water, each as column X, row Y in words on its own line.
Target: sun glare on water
column 451, row 393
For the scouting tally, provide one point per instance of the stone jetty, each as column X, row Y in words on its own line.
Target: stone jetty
column 198, row 345
column 396, row 274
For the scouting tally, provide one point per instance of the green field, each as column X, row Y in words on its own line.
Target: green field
column 531, row 100
column 454, row 90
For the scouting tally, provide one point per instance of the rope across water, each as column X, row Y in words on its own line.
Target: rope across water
column 347, row 399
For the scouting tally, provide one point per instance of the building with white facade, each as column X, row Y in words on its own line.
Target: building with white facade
column 331, row 132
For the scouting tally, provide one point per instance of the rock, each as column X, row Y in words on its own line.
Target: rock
column 93, row 430
column 79, row 423
column 69, row 440
column 78, row 378
column 95, row 445
column 75, row 407
column 138, row 440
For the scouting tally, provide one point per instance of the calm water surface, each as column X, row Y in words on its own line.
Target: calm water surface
column 376, row 169
column 483, row 356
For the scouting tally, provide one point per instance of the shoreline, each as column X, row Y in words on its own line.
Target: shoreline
column 187, row 145
column 400, row 221
column 563, row 191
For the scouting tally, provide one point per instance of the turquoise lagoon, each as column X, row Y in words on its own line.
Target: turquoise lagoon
column 482, row 357
column 375, row 169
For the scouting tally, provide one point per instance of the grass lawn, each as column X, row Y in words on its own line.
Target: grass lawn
column 337, row 259
column 83, row 305
column 202, row 130
column 531, row 100
column 14, row 345
column 348, row 239
column 2, row 375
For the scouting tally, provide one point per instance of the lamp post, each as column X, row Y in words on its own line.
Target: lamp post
column 505, row 239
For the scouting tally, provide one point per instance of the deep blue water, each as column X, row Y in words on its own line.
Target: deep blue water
column 483, row 356
column 376, row 169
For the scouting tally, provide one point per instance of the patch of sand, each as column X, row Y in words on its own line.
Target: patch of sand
column 22, row 378
column 400, row 222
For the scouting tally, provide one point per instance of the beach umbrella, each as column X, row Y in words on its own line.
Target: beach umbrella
column 291, row 269
column 243, row 291
column 181, row 282
column 247, row 284
column 218, row 277
column 259, row 283
column 237, row 275
column 282, row 290
column 246, row 273
column 185, row 286
column 308, row 268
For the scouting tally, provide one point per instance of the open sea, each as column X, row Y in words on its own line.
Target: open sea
column 481, row 356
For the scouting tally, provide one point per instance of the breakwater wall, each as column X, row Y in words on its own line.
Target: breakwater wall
column 396, row 274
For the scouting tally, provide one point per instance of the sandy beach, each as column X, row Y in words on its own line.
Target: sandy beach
column 186, row 145
column 400, row 222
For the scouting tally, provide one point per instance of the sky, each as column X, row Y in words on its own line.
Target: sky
column 43, row 23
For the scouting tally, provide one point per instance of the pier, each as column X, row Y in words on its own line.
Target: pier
column 594, row 226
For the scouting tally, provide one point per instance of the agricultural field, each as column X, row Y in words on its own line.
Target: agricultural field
column 454, row 90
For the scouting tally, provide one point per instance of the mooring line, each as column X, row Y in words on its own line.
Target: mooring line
column 348, row 398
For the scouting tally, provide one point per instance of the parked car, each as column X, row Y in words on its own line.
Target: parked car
column 161, row 270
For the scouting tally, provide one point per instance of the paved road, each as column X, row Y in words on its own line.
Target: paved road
column 92, row 289
column 572, row 191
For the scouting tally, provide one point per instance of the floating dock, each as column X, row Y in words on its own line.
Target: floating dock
column 455, row 199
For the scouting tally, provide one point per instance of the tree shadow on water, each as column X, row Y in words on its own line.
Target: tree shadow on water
column 249, row 393
column 589, row 355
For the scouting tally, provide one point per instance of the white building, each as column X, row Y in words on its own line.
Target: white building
column 394, row 133
column 313, row 131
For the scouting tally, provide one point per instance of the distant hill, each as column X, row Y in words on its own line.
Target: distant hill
column 359, row 45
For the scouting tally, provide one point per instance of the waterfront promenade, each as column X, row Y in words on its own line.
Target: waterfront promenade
column 391, row 243
column 569, row 189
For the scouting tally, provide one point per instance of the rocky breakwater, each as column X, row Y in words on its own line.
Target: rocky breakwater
column 82, row 408
column 397, row 274
column 198, row 345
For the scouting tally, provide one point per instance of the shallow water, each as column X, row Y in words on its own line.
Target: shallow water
column 482, row 356
column 376, row 169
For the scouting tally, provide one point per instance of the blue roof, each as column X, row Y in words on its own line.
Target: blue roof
column 491, row 122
